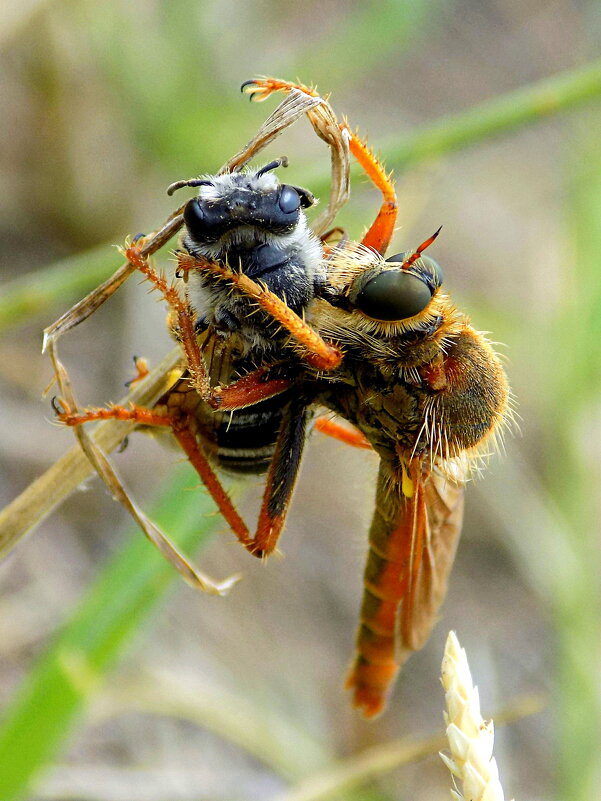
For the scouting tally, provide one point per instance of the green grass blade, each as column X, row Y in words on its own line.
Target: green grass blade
column 575, row 379
column 122, row 599
column 56, row 285
column 504, row 113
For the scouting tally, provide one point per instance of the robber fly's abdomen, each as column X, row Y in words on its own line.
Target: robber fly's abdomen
column 385, row 584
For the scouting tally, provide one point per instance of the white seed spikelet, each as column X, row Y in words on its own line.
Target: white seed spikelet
column 470, row 737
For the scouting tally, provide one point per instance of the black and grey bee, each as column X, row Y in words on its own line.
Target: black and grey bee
column 254, row 224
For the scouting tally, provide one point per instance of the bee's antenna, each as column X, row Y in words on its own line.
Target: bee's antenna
column 190, row 182
column 281, row 162
column 418, row 251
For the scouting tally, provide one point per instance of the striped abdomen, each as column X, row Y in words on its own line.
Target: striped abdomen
column 412, row 543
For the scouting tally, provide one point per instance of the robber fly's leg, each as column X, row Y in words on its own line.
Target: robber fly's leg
column 343, row 433
column 182, row 430
column 185, row 317
column 146, row 417
column 380, row 233
column 315, row 350
column 261, row 88
column 263, row 383
column 281, row 478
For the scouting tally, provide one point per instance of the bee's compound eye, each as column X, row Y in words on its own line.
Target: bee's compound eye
column 289, row 200
column 193, row 214
column 393, row 295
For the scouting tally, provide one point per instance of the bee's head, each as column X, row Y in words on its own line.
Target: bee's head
column 253, row 200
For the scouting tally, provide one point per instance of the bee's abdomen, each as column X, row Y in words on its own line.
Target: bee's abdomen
column 244, row 441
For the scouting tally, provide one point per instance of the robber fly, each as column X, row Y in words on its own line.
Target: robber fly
column 274, row 322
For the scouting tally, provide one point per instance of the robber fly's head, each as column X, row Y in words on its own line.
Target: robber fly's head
column 244, row 203
column 396, row 289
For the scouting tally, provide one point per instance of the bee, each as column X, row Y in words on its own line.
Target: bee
column 275, row 323
column 249, row 221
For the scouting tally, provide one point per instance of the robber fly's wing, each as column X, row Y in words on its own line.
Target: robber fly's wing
column 413, row 539
column 437, row 510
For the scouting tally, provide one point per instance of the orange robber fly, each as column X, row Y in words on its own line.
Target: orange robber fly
column 276, row 320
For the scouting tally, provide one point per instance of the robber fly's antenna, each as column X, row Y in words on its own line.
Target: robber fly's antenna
column 418, row 252
column 190, row 182
column 281, row 162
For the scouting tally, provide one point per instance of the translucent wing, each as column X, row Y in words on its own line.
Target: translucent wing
column 413, row 539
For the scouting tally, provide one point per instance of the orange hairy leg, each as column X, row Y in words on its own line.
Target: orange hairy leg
column 380, row 233
column 317, row 352
column 258, row 385
column 250, row 389
column 181, row 426
column 350, row 436
column 185, row 315
column 281, row 477
column 129, row 414
column 262, row 88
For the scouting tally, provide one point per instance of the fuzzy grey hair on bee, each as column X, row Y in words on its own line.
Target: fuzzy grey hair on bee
column 254, row 223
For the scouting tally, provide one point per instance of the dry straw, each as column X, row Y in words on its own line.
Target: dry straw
column 470, row 737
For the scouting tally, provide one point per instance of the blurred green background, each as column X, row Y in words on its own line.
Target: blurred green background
column 102, row 106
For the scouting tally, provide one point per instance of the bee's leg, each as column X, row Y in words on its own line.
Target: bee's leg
column 380, row 233
column 350, row 436
column 316, row 351
column 105, row 470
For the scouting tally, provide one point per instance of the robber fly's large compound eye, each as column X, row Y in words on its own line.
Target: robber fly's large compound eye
column 430, row 270
column 289, row 200
column 393, row 295
column 396, row 294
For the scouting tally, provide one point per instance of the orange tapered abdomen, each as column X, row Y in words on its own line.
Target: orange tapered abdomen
column 412, row 547
column 386, row 580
